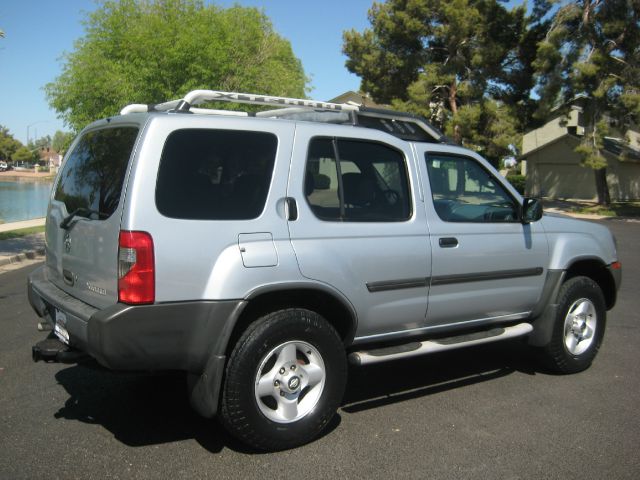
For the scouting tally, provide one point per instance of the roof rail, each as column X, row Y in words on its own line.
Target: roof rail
column 199, row 96
column 402, row 125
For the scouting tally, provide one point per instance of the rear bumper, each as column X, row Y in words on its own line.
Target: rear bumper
column 165, row 336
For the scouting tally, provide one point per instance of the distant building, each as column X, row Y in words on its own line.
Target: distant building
column 553, row 169
column 50, row 157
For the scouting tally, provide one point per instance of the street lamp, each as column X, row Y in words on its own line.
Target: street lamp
column 31, row 125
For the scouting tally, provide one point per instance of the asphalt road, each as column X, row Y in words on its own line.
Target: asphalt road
column 487, row 412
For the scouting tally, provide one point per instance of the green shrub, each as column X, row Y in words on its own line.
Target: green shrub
column 518, row 182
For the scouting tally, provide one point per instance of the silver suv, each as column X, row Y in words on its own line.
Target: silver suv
column 260, row 252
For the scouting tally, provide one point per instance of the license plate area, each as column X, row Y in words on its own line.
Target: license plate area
column 60, row 328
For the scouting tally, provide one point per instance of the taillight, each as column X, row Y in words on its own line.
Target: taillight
column 136, row 268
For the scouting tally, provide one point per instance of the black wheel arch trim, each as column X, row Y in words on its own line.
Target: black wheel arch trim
column 311, row 286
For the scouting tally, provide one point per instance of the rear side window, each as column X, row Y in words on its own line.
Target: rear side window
column 215, row 174
column 356, row 181
column 92, row 177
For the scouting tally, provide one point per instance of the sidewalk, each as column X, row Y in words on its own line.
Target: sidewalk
column 15, row 250
column 8, row 227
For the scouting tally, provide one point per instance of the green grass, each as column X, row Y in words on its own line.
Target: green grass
column 615, row 209
column 21, row 233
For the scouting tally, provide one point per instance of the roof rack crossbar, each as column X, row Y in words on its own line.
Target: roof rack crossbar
column 199, row 96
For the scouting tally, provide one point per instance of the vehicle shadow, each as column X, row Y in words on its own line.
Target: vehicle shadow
column 386, row 383
column 142, row 410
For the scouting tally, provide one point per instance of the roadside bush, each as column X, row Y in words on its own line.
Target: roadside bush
column 518, row 182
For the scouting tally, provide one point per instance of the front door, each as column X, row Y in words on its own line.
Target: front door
column 487, row 266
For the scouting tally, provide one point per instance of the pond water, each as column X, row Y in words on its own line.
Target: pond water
column 23, row 200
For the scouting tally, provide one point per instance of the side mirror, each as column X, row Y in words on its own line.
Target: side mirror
column 531, row 210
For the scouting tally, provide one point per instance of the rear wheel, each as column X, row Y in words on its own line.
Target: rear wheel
column 284, row 380
column 579, row 326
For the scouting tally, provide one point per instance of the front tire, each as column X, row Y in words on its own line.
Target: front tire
column 578, row 328
column 284, row 380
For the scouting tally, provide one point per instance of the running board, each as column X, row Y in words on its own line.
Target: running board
column 367, row 357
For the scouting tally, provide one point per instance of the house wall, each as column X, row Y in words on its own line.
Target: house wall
column 550, row 131
column 624, row 180
column 555, row 172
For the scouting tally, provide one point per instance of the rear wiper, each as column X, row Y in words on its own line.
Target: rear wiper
column 84, row 211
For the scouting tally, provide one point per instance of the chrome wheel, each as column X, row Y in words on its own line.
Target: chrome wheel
column 580, row 326
column 289, row 381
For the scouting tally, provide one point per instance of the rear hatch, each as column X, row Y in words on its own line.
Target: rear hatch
column 83, row 220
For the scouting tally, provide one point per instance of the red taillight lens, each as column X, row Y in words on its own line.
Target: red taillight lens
column 136, row 268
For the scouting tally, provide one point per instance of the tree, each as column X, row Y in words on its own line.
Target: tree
column 592, row 51
column 8, row 144
column 23, row 154
column 61, row 141
column 40, row 143
column 138, row 51
column 444, row 59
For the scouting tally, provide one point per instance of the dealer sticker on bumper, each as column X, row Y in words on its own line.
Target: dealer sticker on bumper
column 60, row 329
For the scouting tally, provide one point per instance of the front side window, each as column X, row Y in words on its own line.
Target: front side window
column 92, row 177
column 215, row 174
column 463, row 191
column 354, row 180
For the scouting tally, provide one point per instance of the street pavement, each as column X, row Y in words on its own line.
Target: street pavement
column 486, row 412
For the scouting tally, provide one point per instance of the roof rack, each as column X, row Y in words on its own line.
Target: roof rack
column 403, row 125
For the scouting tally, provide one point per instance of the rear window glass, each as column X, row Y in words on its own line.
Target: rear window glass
column 215, row 174
column 92, row 177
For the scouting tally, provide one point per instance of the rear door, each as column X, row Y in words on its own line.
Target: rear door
column 361, row 227
column 82, row 253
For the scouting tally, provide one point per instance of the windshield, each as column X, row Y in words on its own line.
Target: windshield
column 92, row 177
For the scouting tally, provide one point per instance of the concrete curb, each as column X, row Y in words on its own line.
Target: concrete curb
column 20, row 257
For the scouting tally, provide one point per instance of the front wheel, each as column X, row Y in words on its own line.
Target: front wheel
column 579, row 326
column 284, row 380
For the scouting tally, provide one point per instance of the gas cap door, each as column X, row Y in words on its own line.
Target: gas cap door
column 257, row 250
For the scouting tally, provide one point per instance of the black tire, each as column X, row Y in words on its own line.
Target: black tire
column 575, row 293
column 253, row 420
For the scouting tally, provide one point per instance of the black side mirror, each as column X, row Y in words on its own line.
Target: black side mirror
column 531, row 210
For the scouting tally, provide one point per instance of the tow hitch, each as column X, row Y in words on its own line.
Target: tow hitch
column 53, row 350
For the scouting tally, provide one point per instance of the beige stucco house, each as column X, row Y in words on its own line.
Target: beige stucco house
column 553, row 169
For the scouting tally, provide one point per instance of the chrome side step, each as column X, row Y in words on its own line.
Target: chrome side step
column 413, row 349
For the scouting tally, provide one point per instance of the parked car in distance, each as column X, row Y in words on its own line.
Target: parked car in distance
column 261, row 252
column 3, row 166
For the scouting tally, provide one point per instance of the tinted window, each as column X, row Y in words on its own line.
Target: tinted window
column 368, row 184
column 94, row 172
column 463, row 191
column 215, row 174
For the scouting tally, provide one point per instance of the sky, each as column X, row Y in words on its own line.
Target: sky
column 38, row 32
